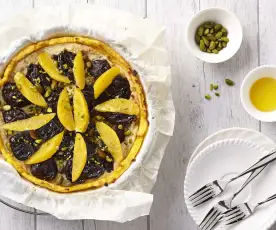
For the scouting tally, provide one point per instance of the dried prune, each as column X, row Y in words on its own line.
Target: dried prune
column 13, row 97
column 119, row 88
column 22, row 145
column 53, row 99
column 38, row 76
column 65, row 61
column 66, row 148
column 88, row 93
column 14, row 115
column 118, row 118
column 49, row 130
column 98, row 67
column 46, row 170
column 120, row 133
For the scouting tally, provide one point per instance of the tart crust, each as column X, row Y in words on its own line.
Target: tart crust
column 142, row 125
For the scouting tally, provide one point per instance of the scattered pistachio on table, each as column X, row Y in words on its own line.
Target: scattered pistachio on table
column 229, row 82
column 211, row 37
column 208, row 96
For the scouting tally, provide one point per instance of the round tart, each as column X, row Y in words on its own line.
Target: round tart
column 73, row 114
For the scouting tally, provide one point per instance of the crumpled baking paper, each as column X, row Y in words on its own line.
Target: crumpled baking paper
column 141, row 42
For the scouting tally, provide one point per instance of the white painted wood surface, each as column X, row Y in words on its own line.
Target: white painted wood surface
column 195, row 117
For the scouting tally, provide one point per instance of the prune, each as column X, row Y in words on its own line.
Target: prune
column 22, row 145
column 53, row 99
column 46, row 170
column 98, row 67
column 66, row 148
column 13, row 97
column 14, row 115
column 119, row 118
column 92, row 169
column 65, row 61
column 119, row 88
column 120, row 133
column 88, row 93
column 49, row 130
column 38, row 76
column 91, row 147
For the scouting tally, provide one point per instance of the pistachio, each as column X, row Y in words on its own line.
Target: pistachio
column 224, row 44
column 200, row 31
column 202, row 45
column 206, row 41
column 229, row 82
column 206, row 31
column 208, row 97
column 212, row 45
column 6, row 107
column 48, row 92
column 120, row 126
column 218, row 35
column 224, row 39
column 212, row 31
column 209, row 51
column 224, row 30
column 211, row 87
column 217, row 94
column 215, row 51
column 127, row 133
column 211, row 37
column 215, row 86
column 49, row 110
column 207, row 25
column 218, row 27
column 38, row 141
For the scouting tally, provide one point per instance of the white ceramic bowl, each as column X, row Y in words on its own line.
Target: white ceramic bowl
column 228, row 20
column 254, row 75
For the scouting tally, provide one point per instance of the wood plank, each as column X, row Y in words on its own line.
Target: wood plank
column 195, row 117
column 7, row 214
column 138, row 8
column 267, row 52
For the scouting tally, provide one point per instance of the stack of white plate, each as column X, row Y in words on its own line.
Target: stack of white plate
column 224, row 155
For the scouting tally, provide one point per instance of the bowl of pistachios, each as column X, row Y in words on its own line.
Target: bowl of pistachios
column 214, row 35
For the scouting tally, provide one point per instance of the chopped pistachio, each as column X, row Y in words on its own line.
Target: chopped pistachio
column 67, row 106
column 48, row 92
column 208, row 96
column 14, row 97
column 127, row 133
column 120, row 126
column 49, row 110
column 38, row 141
column 88, row 64
column 99, row 118
column 6, row 107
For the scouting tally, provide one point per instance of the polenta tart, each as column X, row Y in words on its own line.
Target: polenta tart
column 73, row 114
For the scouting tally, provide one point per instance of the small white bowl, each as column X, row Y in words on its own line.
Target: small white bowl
column 253, row 76
column 227, row 20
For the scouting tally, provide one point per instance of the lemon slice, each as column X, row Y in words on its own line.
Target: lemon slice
column 31, row 123
column 50, row 68
column 111, row 140
column 78, row 70
column 79, row 158
column 28, row 90
column 105, row 80
column 119, row 105
column 64, row 111
column 47, row 150
column 81, row 113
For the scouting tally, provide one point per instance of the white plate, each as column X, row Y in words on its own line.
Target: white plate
column 239, row 133
column 226, row 158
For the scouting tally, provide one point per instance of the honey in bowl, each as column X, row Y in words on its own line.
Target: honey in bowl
column 263, row 94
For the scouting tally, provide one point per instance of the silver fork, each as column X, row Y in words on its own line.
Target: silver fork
column 216, row 213
column 214, row 188
column 242, row 211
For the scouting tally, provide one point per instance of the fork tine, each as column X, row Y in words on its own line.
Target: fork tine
column 233, row 215
column 200, row 191
column 231, row 212
column 204, row 199
column 207, row 217
column 236, row 219
column 202, row 195
column 213, row 222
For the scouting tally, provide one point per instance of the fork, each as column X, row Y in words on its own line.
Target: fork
column 216, row 213
column 216, row 187
column 243, row 211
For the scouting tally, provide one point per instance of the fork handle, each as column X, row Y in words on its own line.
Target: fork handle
column 260, row 163
column 252, row 176
column 267, row 200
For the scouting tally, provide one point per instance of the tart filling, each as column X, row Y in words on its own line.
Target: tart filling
column 73, row 114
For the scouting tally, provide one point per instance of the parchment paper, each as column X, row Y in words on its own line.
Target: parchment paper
column 141, row 42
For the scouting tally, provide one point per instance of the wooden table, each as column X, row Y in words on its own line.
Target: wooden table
column 196, row 118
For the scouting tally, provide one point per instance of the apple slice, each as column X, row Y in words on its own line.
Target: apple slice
column 119, row 105
column 28, row 90
column 46, row 151
column 79, row 157
column 81, row 113
column 111, row 140
column 64, row 111
column 105, row 80
column 50, row 68
column 78, row 70
column 31, row 123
